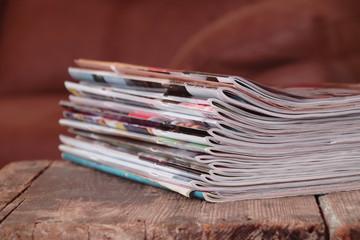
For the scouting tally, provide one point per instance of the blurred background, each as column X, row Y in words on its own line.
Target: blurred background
column 279, row 43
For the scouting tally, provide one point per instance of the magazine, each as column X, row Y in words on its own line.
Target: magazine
column 219, row 138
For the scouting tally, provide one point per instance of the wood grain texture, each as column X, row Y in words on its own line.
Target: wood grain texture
column 342, row 214
column 16, row 177
column 73, row 202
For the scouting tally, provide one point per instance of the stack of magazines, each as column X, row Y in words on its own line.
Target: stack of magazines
column 219, row 138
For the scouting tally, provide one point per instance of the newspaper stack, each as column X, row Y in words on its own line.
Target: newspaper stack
column 220, row 138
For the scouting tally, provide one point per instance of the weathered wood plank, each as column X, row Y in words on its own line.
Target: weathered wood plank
column 71, row 201
column 16, row 177
column 342, row 214
column 6, row 211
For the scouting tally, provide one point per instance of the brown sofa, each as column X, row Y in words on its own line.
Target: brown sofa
column 39, row 40
column 276, row 42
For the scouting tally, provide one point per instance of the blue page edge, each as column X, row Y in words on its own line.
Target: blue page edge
column 121, row 173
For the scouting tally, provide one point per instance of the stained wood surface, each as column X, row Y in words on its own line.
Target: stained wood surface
column 16, row 177
column 67, row 201
column 342, row 214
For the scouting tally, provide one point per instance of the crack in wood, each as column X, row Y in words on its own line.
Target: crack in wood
column 14, row 202
column 32, row 231
column 10, row 208
column 320, row 204
column 341, row 212
column 88, row 232
column 145, row 231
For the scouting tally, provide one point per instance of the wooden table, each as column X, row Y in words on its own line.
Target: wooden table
column 60, row 200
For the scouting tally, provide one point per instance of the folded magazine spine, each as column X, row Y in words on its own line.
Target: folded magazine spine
column 124, row 174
